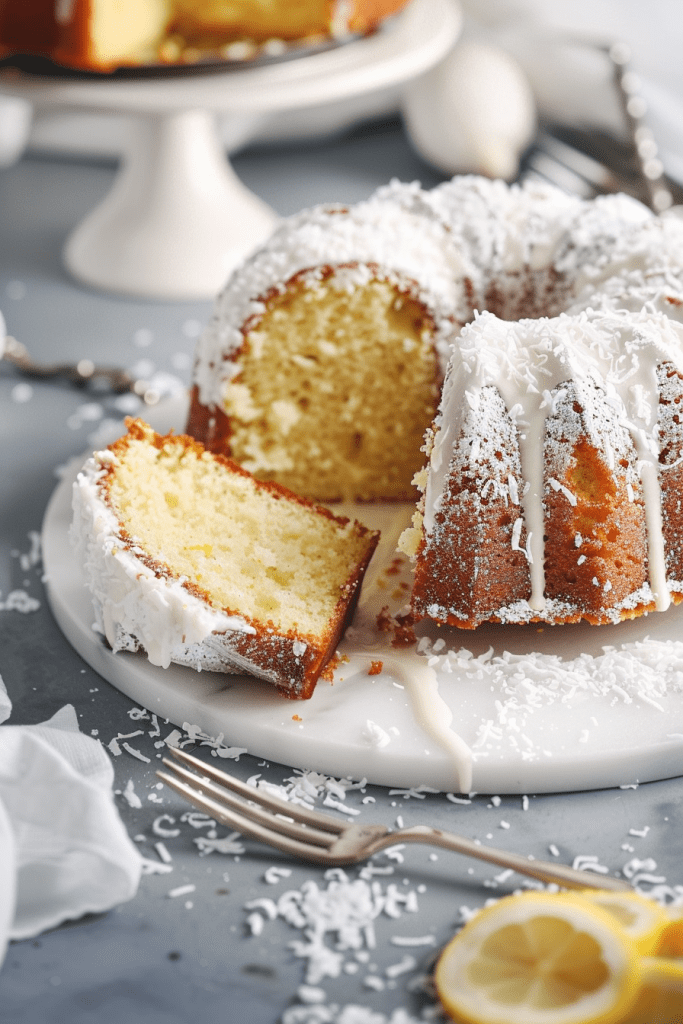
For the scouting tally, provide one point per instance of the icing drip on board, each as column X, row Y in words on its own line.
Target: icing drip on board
column 412, row 671
column 432, row 712
column 406, row 666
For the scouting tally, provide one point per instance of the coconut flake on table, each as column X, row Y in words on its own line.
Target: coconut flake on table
column 163, row 830
column 414, row 792
column 130, row 796
column 181, row 890
column 308, row 787
column 343, row 913
column 228, row 844
column 195, row 736
column 19, row 601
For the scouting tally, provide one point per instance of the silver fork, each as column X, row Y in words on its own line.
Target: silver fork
column 82, row 374
column 319, row 838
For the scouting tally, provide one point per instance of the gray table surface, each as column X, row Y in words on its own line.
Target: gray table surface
column 159, row 959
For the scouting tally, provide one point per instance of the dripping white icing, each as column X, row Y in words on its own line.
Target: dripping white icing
column 655, row 537
column 615, row 353
column 414, row 674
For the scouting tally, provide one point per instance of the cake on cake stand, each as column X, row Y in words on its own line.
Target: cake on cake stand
column 178, row 219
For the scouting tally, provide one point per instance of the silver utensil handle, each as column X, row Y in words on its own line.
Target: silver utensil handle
column 560, row 874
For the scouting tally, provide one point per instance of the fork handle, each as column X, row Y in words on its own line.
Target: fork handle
column 560, row 874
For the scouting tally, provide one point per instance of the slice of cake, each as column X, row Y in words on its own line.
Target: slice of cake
column 193, row 560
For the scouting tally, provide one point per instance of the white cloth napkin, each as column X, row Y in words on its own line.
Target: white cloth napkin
column 64, row 851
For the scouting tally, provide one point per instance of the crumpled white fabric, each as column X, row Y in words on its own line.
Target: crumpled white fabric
column 64, row 851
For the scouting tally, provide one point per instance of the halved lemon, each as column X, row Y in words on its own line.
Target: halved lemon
column 643, row 920
column 540, row 958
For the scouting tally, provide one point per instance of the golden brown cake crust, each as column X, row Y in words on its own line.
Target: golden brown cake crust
column 527, row 258
column 473, row 569
column 209, row 425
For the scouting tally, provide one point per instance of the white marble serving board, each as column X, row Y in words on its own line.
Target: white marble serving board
column 577, row 724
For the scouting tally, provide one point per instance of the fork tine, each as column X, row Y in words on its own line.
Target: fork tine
column 252, row 810
column 242, row 825
column 322, row 821
column 594, row 174
column 544, row 166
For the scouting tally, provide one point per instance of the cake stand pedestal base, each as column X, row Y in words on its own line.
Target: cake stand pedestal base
column 177, row 219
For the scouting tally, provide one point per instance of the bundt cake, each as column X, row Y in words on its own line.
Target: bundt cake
column 102, row 35
column 191, row 559
column 322, row 365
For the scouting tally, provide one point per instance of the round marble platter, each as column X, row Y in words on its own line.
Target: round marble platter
column 501, row 709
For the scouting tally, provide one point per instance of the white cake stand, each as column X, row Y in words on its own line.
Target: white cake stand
column 177, row 219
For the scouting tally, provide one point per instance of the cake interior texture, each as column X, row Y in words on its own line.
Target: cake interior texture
column 244, row 548
column 115, row 32
column 547, row 324
column 306, row 410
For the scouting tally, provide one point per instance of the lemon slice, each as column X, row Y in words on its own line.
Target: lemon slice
column 540, row 958
column 643, row 920
column 661, row 997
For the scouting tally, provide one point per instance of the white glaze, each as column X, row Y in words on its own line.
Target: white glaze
column 365, row 643
column 432, row 712
column 542, row 711
column 458, row 242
